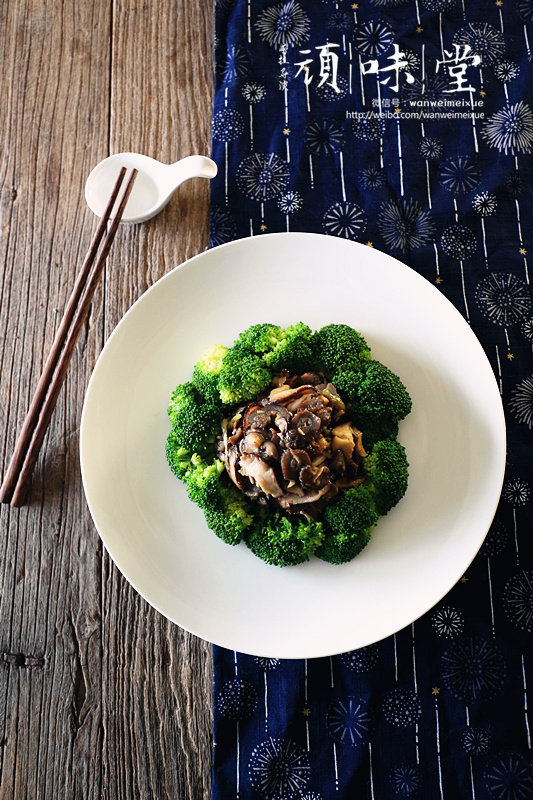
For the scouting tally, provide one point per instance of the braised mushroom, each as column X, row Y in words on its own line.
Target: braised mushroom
column 280, row 449
column 292, row 461
column 306, row 423
column 262, row 475
column 252, row 442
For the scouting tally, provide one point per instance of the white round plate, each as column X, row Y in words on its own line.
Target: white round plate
column 455, row 441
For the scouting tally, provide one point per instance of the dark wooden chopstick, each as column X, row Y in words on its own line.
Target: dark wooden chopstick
column 24, row 438
column 14, row 486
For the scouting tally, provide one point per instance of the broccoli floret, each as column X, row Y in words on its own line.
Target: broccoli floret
column 183, row 460
column 373, row 428
column 194, row 419
column 226, row 510
column 349, row 521
column 386, row 469
column 339, row 347
column 347, row 382
column 378, row 400
column 178, row 457
column 382, row 395
column 284, row 541
column 207, row 369
column 231, row 516
column 260, row 339
column 203, row 481
column 242, row 377
column 281, row 348
column 293, row 351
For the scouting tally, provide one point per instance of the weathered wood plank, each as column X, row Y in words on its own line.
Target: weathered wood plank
column 99, row 695
column 160, row 678
column 54, row 123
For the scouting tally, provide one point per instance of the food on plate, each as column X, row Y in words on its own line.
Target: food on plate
column 287, row 440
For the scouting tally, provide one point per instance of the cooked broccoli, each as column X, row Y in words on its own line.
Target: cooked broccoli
column 347, row 381
column 339, row 347
column 293, row 351
column 379, row 403
column 283, row 541
column 242, row 377
column 260, row 339
column 194, row 418
column 178, row 457
column 373, row 429
column 233, row 515
column 373, row 426
column 226, row 510
column 183, row 460
column 382, row 394
column 206, row 371
column 386, row 469
column 349, row 521
column 203, row 481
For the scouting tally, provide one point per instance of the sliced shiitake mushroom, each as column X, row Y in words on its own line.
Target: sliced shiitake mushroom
column 293, row 440
column 269, row 451
column 286, row 393
column 343, row 439
column 232, row 463
column 292, row 462
column 252, row 442
column 261, row 473
column 337, row 463
column 311, row 378
column 314, row 477
column 261, row 417
column 306, row 423
column 311, row 497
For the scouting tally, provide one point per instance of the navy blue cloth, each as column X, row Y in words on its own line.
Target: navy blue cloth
column 406, row 125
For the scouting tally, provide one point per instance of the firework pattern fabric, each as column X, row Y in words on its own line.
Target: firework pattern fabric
column 333, row 140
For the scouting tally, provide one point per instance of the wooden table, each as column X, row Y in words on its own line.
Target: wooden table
column 100, row 696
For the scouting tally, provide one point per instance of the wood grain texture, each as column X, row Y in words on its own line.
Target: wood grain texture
column 100, row 696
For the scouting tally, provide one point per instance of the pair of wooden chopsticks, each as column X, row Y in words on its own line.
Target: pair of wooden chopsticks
column 15, row 484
